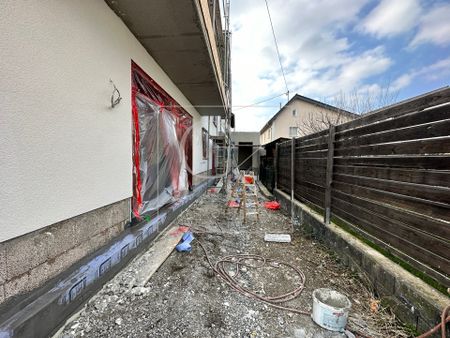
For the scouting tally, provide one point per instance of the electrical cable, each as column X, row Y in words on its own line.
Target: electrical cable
column 239, row 261
column 276, row 46
column 256, row 103
column 273, row 301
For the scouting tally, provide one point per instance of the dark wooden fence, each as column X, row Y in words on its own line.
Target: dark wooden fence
column 387, row 174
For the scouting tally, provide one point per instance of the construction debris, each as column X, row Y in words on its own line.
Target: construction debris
column 196, row 304
column 279, row 238
column 272, row 205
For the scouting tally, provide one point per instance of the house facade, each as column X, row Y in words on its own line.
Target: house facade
column 105, row 107
column 302, row 116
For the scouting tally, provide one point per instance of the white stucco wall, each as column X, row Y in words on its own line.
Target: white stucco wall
column 63, row 150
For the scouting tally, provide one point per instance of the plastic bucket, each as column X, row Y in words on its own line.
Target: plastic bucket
column 330, row 309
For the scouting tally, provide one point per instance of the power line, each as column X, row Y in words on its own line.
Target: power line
column 256, row 103
column 278, row 51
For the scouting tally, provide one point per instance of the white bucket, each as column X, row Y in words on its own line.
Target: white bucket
column 330, row 309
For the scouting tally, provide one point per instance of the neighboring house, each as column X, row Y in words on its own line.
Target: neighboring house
column 302, row 116
column 247, row 149
column 74, row 170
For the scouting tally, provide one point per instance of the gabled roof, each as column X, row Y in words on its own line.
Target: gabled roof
column 308, row 100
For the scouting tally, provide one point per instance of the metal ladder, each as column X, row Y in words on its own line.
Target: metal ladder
column 236, row 190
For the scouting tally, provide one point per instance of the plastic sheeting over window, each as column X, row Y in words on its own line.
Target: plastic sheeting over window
column 160, row 158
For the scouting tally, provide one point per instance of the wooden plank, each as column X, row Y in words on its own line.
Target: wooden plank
column 154, row 257
column 306, row 196
column 426, row 130
column 315, row 162
column 436, row 162
column 431, row 226
column 418, row 176
column 313, row 154
column 311, row 189
column 415, row 118
column 302, row 148
column 312, row 186
column 329, row 175
column 312, row 137
column 418, row 103
column 415, row 251
column 438, row 145
column 314, row 141
column 308, row 172
column 439, row 276
column 401, row 201
column 430, row 194
column 402, row 230
column 311, row 179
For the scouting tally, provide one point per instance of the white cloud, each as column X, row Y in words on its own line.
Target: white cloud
column 434, row 27
column 316, row 58
column 391, row 18
column 435, row 71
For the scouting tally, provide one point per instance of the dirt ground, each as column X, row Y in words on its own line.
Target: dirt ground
column 185, row 299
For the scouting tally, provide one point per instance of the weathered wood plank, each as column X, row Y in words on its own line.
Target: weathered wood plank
column 418, row 176
column 411, row 249
column 418, row 238
column 421, row 131
column 312, row 138
column 313, row 154
column 411, row 119
column 439, row 145
column 435, row 162
column 401, row 201
column 418, row 103
column 320, row 146
column 430, row 194
column 426, row 224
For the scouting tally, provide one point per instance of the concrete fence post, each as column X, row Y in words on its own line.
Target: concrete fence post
column 329, row 175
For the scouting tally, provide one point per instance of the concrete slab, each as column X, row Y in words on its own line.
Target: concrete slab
column 151, row 260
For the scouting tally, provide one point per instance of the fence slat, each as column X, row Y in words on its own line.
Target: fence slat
column 439, row 145
column 431, row 194
column 418, row 176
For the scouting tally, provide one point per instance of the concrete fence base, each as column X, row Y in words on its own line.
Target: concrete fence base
column 411, row 299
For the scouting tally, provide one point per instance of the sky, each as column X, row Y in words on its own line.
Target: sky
column 330, row 49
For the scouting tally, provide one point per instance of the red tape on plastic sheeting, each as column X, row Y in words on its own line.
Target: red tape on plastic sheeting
column 142, row 84
column 137, row 197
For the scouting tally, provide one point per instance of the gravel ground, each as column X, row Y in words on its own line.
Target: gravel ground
column 185, row 299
